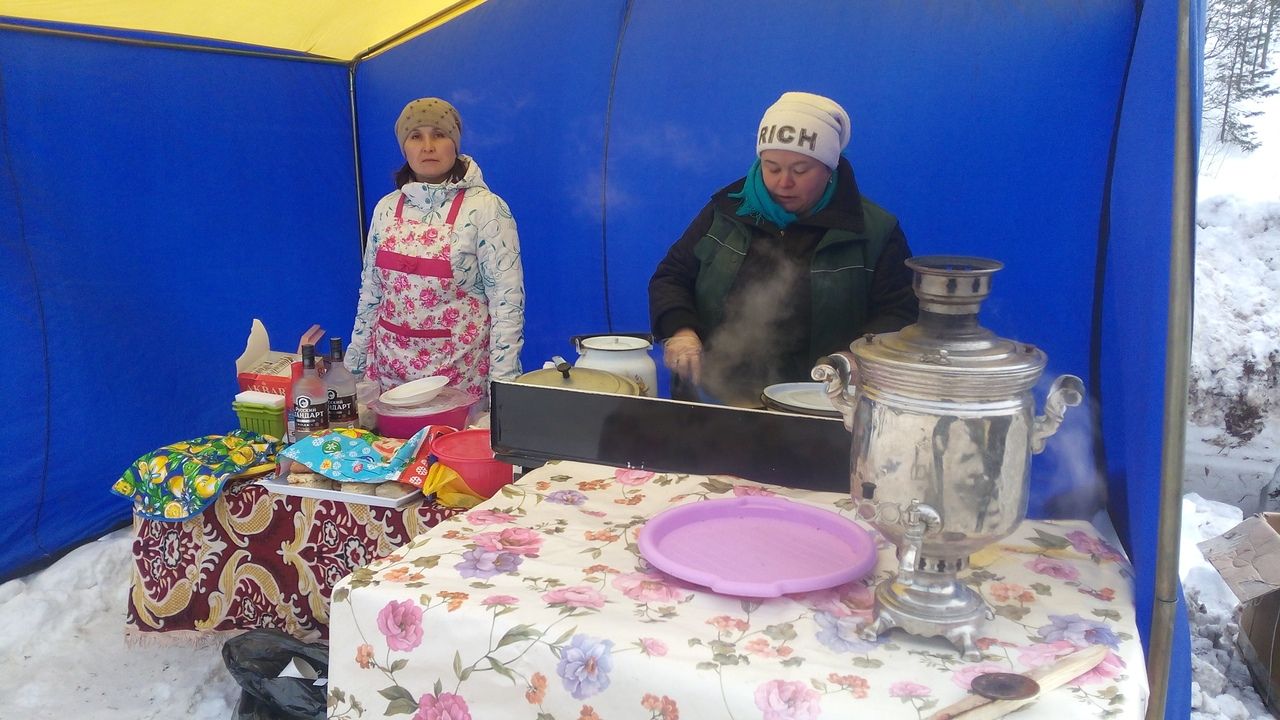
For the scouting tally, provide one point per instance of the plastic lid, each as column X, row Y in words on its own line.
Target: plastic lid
column 578, row 378
column 257, row 397
column 464, row 445
column 616, row 342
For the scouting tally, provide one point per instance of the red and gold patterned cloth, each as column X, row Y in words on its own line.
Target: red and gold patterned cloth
column 257, row 559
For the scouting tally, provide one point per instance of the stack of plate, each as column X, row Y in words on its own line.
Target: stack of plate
column 802, row 398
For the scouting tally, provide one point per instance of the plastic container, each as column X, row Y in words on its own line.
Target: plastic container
column 261, row 418
column 450, row 407
column 468, row 453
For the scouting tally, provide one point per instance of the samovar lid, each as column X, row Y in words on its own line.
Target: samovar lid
column 946, row 344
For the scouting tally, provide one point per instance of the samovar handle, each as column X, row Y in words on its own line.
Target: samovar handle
column 838, row 372
column 1066, row 391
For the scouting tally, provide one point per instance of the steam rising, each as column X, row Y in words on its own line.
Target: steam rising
column 748, row 351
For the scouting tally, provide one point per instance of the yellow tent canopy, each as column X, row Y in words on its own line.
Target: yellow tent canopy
column 339, row 30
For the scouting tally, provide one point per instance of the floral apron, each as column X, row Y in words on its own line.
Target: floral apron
column 427, row 324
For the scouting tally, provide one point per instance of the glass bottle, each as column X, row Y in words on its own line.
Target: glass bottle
column 310, row 398
column 341, row 389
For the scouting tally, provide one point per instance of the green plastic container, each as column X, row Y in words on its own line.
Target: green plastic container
column 261, row 419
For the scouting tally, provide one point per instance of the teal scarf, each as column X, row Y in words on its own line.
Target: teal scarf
column 757, row 201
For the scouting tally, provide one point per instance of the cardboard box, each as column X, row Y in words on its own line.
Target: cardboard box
column 273, row 371
column 1248, row 558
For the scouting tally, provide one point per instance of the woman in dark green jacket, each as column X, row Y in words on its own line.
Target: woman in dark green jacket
column 782, row 267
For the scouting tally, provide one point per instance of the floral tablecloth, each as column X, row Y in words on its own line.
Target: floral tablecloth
column 258, row 559
column 536, row 604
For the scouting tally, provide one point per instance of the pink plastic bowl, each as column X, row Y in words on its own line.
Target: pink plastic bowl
column 468, row 453
column 404, row 426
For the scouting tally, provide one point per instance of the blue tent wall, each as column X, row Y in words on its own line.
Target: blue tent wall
column 154, row 202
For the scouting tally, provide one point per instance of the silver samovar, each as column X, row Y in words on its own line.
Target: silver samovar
column 944, row 427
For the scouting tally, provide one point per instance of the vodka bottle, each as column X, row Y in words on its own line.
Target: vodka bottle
column 310, row 400
column 341, row 387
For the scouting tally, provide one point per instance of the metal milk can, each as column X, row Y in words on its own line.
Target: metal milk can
column 944, row 427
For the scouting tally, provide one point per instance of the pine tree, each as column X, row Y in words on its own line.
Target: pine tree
column 1237, row 48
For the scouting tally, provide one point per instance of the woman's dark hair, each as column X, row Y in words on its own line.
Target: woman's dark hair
column 405, row 175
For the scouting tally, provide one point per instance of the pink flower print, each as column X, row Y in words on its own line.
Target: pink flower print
column 1041, row 654
column 489, row 517
column 631, row 477
column 648, row 587
column 449, row 317
column 724, row 623
column 429, row 297
column 760, row 646
column 579, row 596
column 470, row 334
column 653, row 647
column 397, row 366
column 850, row 600
column 504, row 600
column 751, row 491
column 788, row 700
column 389, row 308
column 1109, row 669
column 409, row 305
column 906, row 689
column 419, row 362
column 1053, row 568
column 473, row 304
column 400, row 284
column 401, row 623
column 1093, row 547
column 1004, row 592
column 448, row 348
column 364, row 656
column 517, row 540
column 965, row 675
column 483, row 368
column 430, row 234
column 445, row 706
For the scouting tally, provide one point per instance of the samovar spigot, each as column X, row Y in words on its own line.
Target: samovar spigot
column 919, row 520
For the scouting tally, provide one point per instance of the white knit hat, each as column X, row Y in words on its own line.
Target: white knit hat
column 805, row 123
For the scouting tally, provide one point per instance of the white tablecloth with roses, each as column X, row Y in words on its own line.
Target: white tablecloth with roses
column 536, row 604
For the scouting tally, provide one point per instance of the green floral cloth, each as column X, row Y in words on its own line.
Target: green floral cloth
column 180, row 480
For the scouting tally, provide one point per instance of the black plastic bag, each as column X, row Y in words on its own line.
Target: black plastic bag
column 256, row 658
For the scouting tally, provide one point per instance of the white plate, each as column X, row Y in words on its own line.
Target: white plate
column 807, row 398
column 283, row 487
column 416, row 392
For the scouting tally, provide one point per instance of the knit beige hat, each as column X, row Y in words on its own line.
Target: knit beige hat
column 809, row 124
column 433, row 112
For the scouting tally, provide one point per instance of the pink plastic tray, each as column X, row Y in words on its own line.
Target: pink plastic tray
column 757, row 546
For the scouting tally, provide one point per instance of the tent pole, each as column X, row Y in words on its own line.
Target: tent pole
column 355, row 152
column 1177, row 360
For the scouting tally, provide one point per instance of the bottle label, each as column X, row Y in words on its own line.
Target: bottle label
column 309, row 415
column 342, row 408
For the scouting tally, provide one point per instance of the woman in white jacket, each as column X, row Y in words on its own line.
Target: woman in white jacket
column 442, row 292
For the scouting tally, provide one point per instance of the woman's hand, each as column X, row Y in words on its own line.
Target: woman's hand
column 682, row 354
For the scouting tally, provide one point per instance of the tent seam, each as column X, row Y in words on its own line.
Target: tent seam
column 1100, row 261
column 39, row 307
column 604, row 169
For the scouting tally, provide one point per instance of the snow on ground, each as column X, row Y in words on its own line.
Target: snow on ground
column 62, row 634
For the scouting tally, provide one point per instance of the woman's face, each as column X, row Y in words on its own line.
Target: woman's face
column 795, row 181
column 430, row 153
